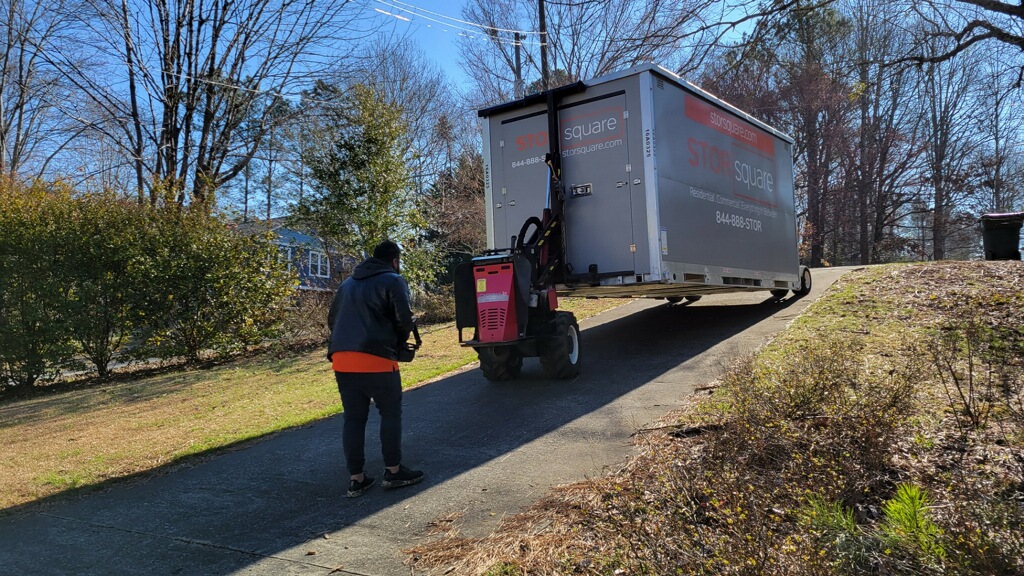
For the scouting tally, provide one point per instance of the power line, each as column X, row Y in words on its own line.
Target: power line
column 414, row 9
column 482, row 30
column 471, row 33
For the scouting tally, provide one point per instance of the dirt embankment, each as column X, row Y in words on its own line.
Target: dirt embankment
column 882, row 433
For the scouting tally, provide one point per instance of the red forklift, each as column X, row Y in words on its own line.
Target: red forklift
column 507, row 295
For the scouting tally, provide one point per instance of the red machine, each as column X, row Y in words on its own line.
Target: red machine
column 507, row 296
column 514, row 316
column 495, row 302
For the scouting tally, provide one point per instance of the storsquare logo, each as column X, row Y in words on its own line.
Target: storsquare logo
column 733, row 149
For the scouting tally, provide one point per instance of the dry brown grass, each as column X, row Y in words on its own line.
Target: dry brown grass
column 62, row 441
column 796, row 463
column 81, row 437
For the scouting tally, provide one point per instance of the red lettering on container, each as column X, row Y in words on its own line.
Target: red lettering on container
column 708, row 156
column 528, row 141
column 743, row 132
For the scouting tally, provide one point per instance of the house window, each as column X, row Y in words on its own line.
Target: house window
column 319, row 265
column 284, row 254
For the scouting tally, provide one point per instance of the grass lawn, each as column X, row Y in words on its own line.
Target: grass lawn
column 62, row 441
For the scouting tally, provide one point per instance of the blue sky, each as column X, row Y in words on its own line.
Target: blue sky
column 434, row 24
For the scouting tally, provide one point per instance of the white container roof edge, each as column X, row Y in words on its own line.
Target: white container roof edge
column 672, row 76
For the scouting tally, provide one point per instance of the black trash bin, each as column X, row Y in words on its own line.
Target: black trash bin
column 1001, row 235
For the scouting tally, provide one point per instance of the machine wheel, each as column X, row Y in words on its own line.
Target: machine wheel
column 693, row 298
column 779, row 292
column 805, row 282
column 674, row 299
column 560, row 354
column 500, row 362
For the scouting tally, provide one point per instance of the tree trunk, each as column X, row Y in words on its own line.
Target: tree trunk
column 939, row 222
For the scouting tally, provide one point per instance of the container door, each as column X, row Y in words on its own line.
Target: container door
column 595, row 173
column 523, row 190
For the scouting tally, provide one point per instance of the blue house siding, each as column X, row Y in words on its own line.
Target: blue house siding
column 308, row 257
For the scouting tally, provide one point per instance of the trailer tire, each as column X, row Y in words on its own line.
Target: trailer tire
column 560, row 354
column 499, row 363
column 779, row 292
column 805, row 282
column 693, row 298
column 674, row 299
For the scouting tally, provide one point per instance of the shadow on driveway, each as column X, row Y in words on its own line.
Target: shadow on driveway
column 278, row 506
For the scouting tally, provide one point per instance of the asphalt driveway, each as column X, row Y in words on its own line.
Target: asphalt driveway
column 278, row 506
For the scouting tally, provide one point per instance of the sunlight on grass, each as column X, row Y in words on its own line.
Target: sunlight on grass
column 79, row 438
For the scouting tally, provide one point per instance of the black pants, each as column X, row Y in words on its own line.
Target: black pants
column 357, row 390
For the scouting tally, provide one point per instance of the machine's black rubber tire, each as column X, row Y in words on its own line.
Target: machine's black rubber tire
column 693, row 298
column 674, row 299
column 805, row 282
column 560, row 354
column 500, row 363
column 779, row 292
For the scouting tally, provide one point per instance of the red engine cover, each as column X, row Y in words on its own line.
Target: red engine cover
column 496, row 302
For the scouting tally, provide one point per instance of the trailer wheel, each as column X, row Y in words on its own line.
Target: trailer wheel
column 779, row 292
column 805, row 282
column 500, row 363
column 693, row 298
column 560, row 354
column 674, row 299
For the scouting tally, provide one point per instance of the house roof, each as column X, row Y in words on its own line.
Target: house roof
column 294, row 237
column 286, row 236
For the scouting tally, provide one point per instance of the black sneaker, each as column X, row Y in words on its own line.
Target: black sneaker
column 403, row 477
column 356, row 488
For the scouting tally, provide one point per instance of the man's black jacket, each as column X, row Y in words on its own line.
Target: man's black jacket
column 371, row 312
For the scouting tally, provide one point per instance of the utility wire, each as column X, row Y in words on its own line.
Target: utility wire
column 488, row 32
column 400, row 6
column 413, row 8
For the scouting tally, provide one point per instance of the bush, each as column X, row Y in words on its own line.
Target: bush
column 825, row 404
column 91, row 275
column 797, row 438
column 105, row 273
column 907, row 524
column 305, row 320
column 212, row 288
column 34, row 340
column 435, row 306
column 833, row 528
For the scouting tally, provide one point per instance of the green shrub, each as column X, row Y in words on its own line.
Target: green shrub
column 907, row 524
column 96, row 276
column 34, row 340
column 212, row 288
column 834, row 529
column 104, row 273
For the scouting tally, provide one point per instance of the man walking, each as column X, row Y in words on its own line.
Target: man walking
column 370, row 319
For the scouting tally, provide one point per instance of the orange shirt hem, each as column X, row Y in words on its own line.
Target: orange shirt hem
column 361, row 362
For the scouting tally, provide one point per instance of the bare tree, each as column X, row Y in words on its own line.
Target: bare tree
column 585, row 38
column 401, row 72
column 394, row 67
column 458, row 206
column 967, row 23
column 32, row 127
column 945, row 94
column 1003, row 128
column 956, row 28
column 815, row 91
column 888, row 148
column 179, row 79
